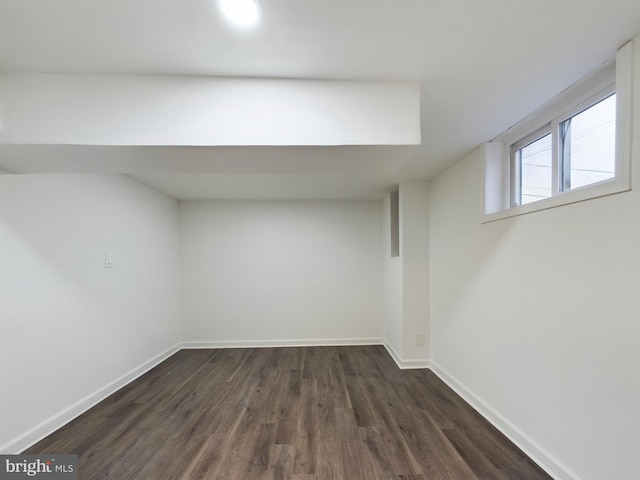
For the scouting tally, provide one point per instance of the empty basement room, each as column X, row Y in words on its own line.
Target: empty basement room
column 329, row 239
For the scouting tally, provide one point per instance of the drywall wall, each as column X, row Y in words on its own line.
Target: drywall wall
column 71, row 328
column 535, row 319
column 414, row 252
column 392, row 273
column 406, row 277
column 281, row 272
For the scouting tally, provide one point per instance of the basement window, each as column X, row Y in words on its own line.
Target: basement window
column 532, row 164
column 588, row 145
column 574, row 148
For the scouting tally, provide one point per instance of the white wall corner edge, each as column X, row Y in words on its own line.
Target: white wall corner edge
column 323, row 342
column 406, row 364
column 50, row 425
column 533, row 450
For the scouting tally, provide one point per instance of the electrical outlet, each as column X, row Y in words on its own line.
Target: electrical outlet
column 421, row 339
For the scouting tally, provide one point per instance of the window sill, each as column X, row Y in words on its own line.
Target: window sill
column 608, row 187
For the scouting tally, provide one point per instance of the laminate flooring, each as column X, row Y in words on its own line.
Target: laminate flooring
column 309, row 413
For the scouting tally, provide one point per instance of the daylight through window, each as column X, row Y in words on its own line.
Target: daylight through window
column 588, row 145
column 586, row 152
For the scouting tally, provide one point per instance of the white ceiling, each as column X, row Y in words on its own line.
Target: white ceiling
column 482, row 66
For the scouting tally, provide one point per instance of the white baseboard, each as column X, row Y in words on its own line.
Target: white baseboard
column 40, row 431
column 324, row 342
column 538, row 454
column 405, row 364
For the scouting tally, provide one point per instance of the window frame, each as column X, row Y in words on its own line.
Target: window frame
column 498, row 187
column 557, row 158
column 515, row 165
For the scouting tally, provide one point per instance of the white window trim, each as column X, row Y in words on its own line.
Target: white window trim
column 497, row 192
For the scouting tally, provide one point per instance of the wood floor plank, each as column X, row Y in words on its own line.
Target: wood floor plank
column 259, row 453
column 281, row 462
column 362, row 409
column 389, row 438
column 477, row 461
column 217, row 444
column 300, row 413
column 379, row 458
column 166, row 464
column 328, row 442
column 437, row 457
column 354, row 462
column 288, row 415
column 306, row 439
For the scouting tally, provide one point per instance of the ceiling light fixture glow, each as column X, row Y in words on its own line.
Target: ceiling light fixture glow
column 242, row 13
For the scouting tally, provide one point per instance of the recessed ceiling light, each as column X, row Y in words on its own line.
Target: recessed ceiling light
column 242, row 13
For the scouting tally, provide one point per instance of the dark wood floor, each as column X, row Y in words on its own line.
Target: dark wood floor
column 343, row 413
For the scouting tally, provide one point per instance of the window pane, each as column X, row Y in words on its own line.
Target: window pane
column 535, row 170
column 589, row 145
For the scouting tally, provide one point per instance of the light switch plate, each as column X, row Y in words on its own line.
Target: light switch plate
column 108, row 260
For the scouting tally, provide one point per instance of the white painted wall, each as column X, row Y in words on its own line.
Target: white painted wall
column 406, row 277
column 414, row 252
column 392, row 274
column 536, row 319
column 69, row 326
column 183, row 110
column 281, row 271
